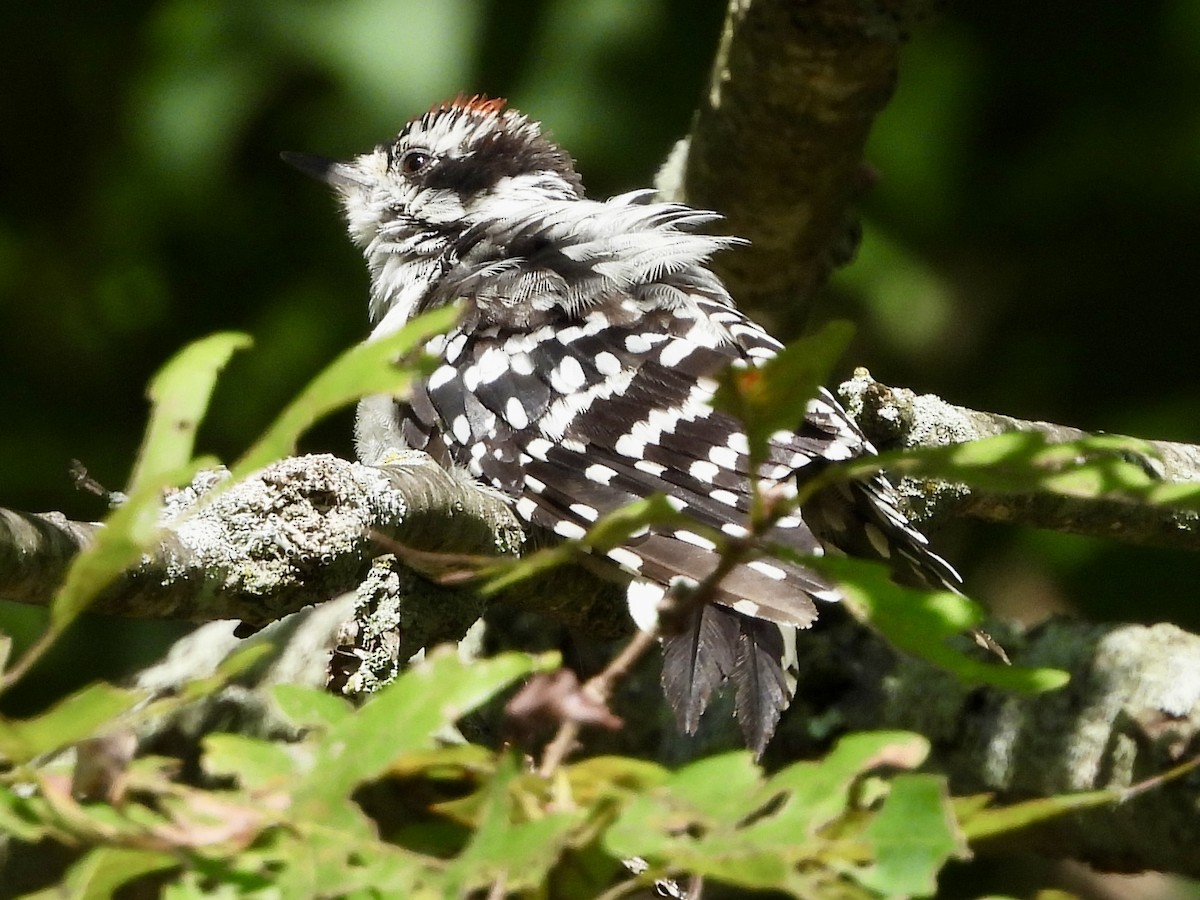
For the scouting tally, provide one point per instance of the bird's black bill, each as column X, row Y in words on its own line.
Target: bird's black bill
column 330, row 171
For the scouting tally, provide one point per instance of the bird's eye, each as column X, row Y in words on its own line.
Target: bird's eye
column 413, row 161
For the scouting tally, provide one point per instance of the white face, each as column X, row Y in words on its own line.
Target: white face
column 413, row 205
column 444, row 166
column 382, row 201
column 365, row 193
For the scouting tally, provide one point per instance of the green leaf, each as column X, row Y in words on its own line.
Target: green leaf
column 407, row 715
column 307, row 706
column 616, row 527
column 979, row 822
column 818, row 792
column 367, row 368
column 982, row 824
column 912, row 836
column 774, row 396
column 19, row 816
column 718, row 818
column 504, row 574
column 508, row 846
column 257, row 764
column 238, row 664
column 1099, row 466
column 72, row 719
column 102, row 871
column 128, row 532
column 602, row 776
column 451, row 763
column 689, row 823
column 179, row 394
column 1177, row 495
column 921, row 622
column 719, row 787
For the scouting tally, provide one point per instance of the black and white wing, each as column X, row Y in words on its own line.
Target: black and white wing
column 575, row 401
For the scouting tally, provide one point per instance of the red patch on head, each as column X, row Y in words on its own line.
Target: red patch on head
column 477, row 103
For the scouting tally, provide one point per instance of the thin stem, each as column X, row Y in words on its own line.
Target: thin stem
column 599, row 686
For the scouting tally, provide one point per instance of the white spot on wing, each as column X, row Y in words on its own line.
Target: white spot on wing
column 515, row 413
column 470, row 378
column 569, row 334
column 643, row 598
column 747, row 607
column 607, row 364
column 454, row 347
column 628, row 445
column 695, row 540
column 442, row 376
column 878, row 541
column 623, row 556
column 462, row 429
column 538, row 448
column 765, row 568
column 724, row 457
column 568, row 376
column 703, row 470
column 570, row 530
column 637, row 343
column 492, row 364
column 599, row 473
column 564, row 410
column 837, row 451
column 584, row 511
column 674, row 353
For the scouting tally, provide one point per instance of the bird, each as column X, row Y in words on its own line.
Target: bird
column 580, row 377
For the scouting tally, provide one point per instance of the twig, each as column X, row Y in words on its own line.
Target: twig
column 599, row 687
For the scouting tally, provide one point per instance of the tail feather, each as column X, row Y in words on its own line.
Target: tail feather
column 719, row 644
column 697, row 660
column 761, row 688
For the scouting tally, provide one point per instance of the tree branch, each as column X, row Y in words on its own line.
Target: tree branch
column 777, row 142
column 307, row 528
column 296, row 533
column 898, row 418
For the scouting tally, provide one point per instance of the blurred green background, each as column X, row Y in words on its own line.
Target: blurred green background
column 1030, row 247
